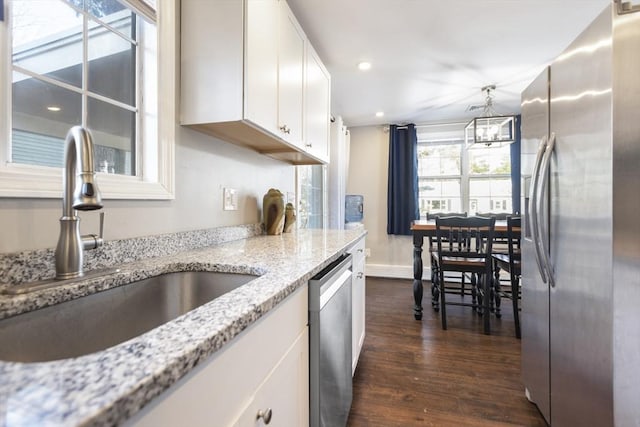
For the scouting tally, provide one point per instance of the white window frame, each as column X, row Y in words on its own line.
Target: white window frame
column 156, row 178
column 442, row 134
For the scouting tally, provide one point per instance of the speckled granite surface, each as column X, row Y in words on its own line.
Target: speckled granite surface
column 29, row 266
column 107, row 387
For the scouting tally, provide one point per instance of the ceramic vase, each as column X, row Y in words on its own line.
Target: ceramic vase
column 273, row 212
column 289, row 217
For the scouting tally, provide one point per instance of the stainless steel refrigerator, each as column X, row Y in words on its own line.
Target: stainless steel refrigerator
column 581, row 242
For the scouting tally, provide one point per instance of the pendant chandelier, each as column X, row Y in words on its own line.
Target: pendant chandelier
column 491, row 129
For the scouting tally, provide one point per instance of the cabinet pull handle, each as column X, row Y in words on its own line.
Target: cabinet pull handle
column 308, row 145
column 360, row 275
column 265, row 415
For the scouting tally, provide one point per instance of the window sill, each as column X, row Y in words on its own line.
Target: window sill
column 21, row 181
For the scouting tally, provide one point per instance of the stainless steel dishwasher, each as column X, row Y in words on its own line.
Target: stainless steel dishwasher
column 330, row 345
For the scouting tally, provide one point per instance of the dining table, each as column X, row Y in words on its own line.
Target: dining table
column 427, row 228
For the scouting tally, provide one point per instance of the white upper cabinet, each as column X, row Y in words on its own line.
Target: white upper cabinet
column 243, row 77
column 317, row 102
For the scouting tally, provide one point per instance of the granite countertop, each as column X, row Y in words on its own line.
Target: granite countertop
column 107, row 387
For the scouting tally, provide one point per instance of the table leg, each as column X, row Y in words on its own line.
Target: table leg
column 496, row 289
column 487, row 301
column 417, row 275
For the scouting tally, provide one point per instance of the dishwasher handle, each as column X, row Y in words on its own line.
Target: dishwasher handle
column 327, row 282
column 329, row 292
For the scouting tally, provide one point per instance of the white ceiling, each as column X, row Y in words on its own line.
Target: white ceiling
column 431, row 57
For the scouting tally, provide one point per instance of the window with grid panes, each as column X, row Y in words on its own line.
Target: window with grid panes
column 453, row 179
column 93, row 63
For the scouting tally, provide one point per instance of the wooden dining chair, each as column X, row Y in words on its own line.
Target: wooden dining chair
column 464, row 246
column 433, row 254
column 510, row 262
column 499, row 216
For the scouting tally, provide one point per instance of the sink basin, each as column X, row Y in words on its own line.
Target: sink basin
column 104, row 319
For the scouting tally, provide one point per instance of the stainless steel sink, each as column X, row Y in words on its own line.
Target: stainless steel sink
column 104, row 319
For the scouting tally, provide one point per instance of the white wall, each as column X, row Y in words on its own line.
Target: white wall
column 204, row 166
column 391, row 256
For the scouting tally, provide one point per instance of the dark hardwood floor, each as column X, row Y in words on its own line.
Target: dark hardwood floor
column 412, row 373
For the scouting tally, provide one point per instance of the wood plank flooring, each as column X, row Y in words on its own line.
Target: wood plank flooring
column 412, row 373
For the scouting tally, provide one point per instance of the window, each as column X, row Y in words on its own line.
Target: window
column 312, row 196
column 452, row 179
column 439, row 176
column 92, row 63
column 490, row 179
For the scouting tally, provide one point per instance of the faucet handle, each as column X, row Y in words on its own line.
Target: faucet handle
column 91, row 241
column 101, row 225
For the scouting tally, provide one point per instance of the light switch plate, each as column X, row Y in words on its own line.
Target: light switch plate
column 230, row 199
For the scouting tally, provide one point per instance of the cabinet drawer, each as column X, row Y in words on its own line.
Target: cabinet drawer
column 283, row 397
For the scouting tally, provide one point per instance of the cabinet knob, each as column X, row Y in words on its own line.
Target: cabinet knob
column 265, row 415
column 285, row 129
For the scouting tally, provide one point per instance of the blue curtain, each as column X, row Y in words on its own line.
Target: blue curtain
column 515, row 169
column 402, row 190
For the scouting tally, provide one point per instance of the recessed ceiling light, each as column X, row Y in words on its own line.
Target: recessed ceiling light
column 379, row 114
column 54, row 108
column 364, row 66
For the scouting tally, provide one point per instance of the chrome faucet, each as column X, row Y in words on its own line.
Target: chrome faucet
column 80, row 193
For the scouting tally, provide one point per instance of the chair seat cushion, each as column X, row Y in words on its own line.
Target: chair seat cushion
column 503, row 261
column 462, row 261
column 501, row 257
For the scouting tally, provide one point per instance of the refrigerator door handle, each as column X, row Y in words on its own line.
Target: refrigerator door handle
column 533, row 204
column 543, row 208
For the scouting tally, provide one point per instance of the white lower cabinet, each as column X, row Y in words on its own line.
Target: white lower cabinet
column 264, row 368
column 358, row 288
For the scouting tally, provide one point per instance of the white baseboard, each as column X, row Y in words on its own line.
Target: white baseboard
column 395, row 271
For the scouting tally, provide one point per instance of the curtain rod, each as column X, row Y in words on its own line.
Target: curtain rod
column 424, row 125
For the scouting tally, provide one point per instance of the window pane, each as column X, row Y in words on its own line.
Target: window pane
column 113, row 130
column 47, row 39
column 98, row 8
column 441, row 195
column 490, row 195
column 490, row 161
column 42, row 114
column 434, row 160
column 112, row 68
column 311, row 205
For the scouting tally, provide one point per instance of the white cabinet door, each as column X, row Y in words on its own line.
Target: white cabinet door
column 317, row 106
column 283, row 398
column 358, row 291
column 219, row 390
column 290, row 77
column 261, row 64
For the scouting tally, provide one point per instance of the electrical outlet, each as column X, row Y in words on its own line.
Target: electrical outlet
column 367, row 252
column 230, row 199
